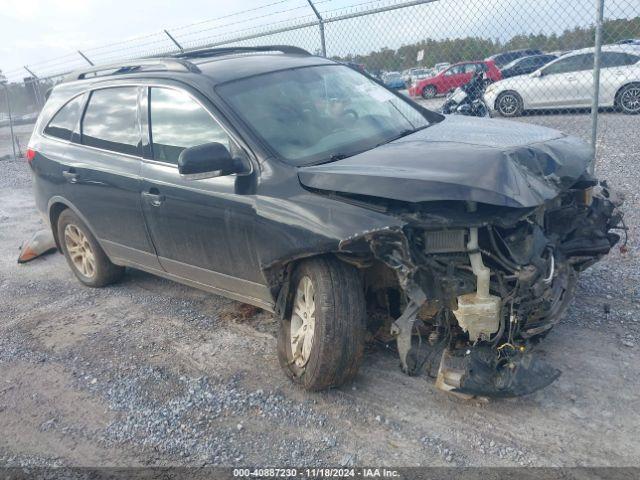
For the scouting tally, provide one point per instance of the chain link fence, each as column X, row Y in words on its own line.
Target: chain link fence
column 541, row 59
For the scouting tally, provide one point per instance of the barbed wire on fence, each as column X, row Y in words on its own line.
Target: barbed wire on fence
column 418, row 41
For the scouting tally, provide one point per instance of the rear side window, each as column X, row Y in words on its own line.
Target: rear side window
column 617, row 59
column 540, row 61
column 111, row 120
column 63, row 123
column 179, row 122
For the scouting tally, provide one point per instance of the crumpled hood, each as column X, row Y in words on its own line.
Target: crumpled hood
column 490, row 161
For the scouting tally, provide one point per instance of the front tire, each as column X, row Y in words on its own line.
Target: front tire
column 509, row 104
column 84, row 255
column 629, row 99
column 321, row 340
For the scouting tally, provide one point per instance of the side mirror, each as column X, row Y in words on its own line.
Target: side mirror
column 207, row 161
column 536, row 74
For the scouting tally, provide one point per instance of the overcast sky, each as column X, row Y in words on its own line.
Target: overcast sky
column 36, row 31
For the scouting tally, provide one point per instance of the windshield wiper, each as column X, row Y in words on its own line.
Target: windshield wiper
column 334, row 158
column 341, row 156
column 403, row 133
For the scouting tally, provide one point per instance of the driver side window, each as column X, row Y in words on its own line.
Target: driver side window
column 574, row 63
column 177, row 122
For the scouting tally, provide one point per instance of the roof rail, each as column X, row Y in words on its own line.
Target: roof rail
column 136, row 65
column 212, row 52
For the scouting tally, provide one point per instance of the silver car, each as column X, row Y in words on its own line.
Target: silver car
column 568, row 83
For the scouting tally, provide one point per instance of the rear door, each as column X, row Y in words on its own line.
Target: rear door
column 100, row 169
column 203, row 230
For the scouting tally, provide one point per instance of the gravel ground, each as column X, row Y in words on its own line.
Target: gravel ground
column 149, row 372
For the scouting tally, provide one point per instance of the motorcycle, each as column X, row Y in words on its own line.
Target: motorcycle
column 467, row 99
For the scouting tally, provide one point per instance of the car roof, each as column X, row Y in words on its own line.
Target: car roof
column 511, row 52
column 214, row 65
column 226, row 68
column 625, row 48
column 468, row 61
column 534, row 56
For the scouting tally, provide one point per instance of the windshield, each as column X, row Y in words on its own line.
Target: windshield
column 319, row 114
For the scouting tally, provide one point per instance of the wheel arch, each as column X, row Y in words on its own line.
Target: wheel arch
column 616, row 97
column 501, row 93
column 504, row 92
column 55, row 208
column 374, row 273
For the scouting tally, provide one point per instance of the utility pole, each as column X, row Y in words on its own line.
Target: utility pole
column 596, row 82
column 323, row 46
column 3, row 82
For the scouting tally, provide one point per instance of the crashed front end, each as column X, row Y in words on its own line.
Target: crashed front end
column 481, row 284
column 490, row 222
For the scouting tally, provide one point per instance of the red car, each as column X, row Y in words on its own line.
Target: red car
column 453, row 77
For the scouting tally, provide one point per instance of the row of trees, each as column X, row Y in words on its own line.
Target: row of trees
column 24, row 99
column 473, row 48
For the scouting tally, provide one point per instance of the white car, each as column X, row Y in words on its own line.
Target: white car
column 438, row 67
column 568, row 83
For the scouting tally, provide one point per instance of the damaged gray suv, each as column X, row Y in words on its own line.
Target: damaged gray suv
column 296, row 184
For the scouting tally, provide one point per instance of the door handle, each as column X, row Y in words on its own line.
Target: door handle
column 70, row 175
column 153, row 197
column 571, row 79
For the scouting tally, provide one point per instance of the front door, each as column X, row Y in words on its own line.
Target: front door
column 203, row 230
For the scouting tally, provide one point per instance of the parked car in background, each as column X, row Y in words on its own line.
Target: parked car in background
column 501, row 59
column 420, row 74
column 393, row 80
column 438, row 67
column 524, row 65
column 453, row 77
column 568, row 83
column 359, row 67
column 629, row 41
column 409, row 74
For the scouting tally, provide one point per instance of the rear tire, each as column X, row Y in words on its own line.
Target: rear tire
column 509, row 104
column 331, row 292
column 628, row 99
column 84, row 255
column 429, row 92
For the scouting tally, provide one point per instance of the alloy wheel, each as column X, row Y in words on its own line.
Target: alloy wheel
column 508, row 104
column 429, row 92
column 303, row 322
column 630, row 99
column 80, row 251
